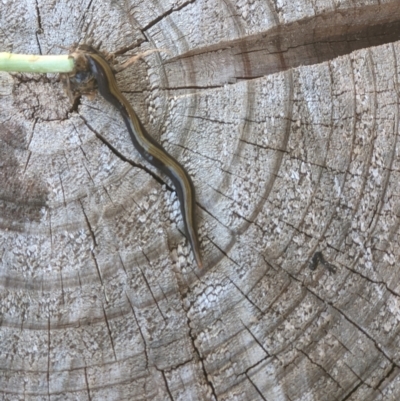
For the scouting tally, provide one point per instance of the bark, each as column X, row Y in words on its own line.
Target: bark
column 286, row 115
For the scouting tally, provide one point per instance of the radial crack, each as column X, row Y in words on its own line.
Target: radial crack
column 162, row 16
column 125, row 159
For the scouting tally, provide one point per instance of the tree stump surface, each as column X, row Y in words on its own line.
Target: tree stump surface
column 286, row 116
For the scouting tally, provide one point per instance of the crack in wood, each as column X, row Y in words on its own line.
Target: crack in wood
column 285, row 46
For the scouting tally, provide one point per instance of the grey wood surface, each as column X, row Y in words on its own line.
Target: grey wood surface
column 286, row 115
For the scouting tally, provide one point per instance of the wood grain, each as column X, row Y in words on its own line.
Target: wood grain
column 286, row 115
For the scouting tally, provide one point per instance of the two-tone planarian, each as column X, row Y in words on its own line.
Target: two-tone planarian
column 150, row 149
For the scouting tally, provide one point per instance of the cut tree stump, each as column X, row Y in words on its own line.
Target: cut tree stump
column 286, row 116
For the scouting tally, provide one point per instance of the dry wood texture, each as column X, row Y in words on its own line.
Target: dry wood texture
column 286, row 115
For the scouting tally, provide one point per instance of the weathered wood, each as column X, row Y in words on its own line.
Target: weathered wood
column 286, row 115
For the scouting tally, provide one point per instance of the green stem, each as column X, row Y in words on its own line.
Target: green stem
column 29, row 63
